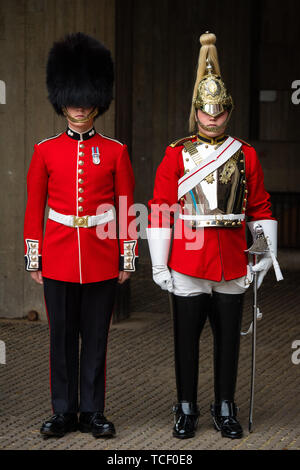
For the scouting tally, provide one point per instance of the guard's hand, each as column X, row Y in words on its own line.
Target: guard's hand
column 162, row 277
column 37, row 277
column 123, row 276
column 262, row 267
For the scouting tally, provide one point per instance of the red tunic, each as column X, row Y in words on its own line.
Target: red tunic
column 62, row 168
column 223, row 251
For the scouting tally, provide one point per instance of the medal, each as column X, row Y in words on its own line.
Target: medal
column 96, row 155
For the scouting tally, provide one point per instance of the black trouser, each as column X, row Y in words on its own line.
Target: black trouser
column 78, row 309
column 189, row 317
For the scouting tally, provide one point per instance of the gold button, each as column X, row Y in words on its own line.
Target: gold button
column 80, row 199
column 80, row 171
column 246, row 191
column 127, row 266
column 81, row 146
column 233, row 223
column 80, row 208
column 244, row 181
column 242, row 171
column 80, row 180
column 245, row 200
column 81, row 162
column 81, row 190
column 206, row 146
column 34, row 265
column 81, row 154
column 187, row 159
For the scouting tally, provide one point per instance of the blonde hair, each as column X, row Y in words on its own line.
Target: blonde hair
column 208, row 51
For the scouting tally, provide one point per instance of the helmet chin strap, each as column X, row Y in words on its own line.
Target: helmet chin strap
column 90, row 116
column 213, row 128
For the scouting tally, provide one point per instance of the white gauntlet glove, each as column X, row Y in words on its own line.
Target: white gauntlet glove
column 262, row 267
column 162, row 277
column 270, row 233
column 159, row 240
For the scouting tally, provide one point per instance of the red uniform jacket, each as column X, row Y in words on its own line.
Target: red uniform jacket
column 63, row 169
column 223, row 250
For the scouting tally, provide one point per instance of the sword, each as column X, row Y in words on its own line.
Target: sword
column 259, row 247
column 253, row 367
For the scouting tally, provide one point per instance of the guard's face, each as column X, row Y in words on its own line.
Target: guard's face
column 211, row 122
column 79, row 113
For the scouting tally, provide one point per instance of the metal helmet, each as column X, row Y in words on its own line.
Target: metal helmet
column 210, row 93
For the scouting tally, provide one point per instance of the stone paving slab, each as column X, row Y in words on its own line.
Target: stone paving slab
column 141, row 382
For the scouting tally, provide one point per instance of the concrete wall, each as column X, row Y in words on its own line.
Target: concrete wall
column 27, row 31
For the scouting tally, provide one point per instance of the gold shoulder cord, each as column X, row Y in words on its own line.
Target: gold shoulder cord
column 190, row 147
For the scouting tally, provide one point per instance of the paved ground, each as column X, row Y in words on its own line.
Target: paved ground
column 141, row 383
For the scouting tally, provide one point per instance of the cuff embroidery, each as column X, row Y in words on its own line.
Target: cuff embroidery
column 33, row 261
column 129, row 257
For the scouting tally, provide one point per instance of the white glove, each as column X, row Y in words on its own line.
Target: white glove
column 268, row 259
column 262, row 267
column 162, row 277
column 159, row 240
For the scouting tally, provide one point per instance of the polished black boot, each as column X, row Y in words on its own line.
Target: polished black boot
column 59, row 424
column 225, row 319
column 224, row 418
column 97, row 424
column 186, row 420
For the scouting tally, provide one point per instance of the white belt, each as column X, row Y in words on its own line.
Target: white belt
column 81, row 221
column 226, row 220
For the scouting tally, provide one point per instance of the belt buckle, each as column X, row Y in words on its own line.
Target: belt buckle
column 80, row 221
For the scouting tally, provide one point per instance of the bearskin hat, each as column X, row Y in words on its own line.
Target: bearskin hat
column 80, row 73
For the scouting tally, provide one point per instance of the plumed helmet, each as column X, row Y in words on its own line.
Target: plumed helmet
column 210, row 93
column 80, row 73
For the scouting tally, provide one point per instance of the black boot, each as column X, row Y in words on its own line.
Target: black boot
column 59, row 424
column 97, row 424
column 225, row 319
column 224, row 417
column 186, row 420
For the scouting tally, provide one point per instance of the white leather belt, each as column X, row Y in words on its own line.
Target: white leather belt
column 221, row 220
column 81, row 221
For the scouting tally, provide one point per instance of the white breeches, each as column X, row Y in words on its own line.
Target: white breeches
column 184, row 285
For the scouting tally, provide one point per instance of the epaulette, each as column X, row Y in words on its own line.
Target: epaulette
column 181, row 141
column 49, row 138
column 110, row 138
column 243, row 142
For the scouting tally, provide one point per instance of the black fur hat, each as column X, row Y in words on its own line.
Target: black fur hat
column 80, row 72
